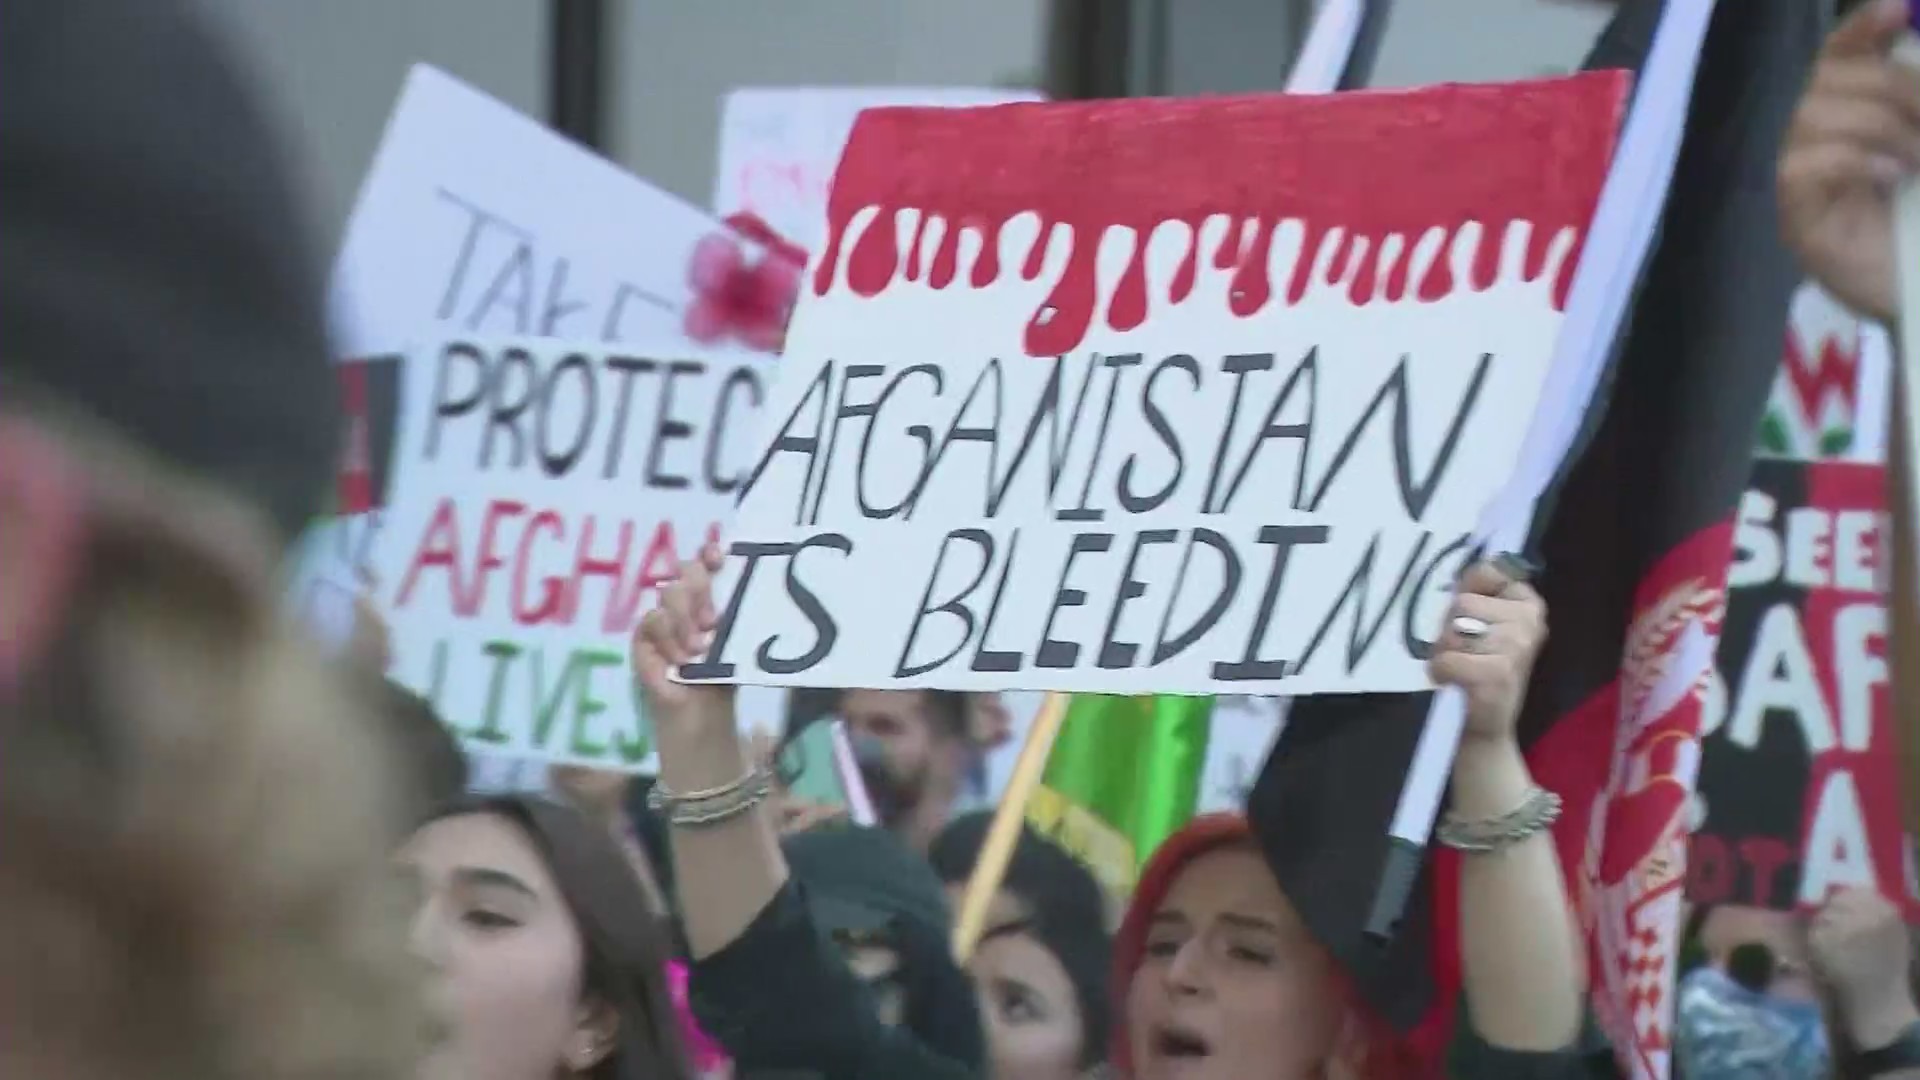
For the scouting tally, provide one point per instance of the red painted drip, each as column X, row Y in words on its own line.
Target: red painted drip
column 1370, row 164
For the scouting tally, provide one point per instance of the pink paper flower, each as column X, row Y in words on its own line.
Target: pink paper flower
column 742, row 297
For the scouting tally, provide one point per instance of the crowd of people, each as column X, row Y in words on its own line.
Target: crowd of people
column 225, row 852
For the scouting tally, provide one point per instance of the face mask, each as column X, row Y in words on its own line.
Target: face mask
column 1725, row 1031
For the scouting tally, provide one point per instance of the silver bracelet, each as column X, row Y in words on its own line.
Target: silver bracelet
column 713, row 805
column 1535, row 814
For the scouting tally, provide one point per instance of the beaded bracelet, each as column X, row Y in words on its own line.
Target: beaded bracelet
column 1535, row 814
column 714, row 805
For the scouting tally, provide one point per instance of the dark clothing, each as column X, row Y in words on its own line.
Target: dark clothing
column 836, row 1035
column 153, row 268
column 1472, row 1058
column 782, row 1003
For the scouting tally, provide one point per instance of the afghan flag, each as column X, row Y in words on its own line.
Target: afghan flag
column 1123, row 775
column 1636, row 541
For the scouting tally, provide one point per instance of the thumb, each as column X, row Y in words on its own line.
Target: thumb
column 1869, row 30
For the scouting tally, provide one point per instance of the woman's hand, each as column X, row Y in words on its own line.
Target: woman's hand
column 677, row 632
column 1860, row 949
column 1491, row 666
column 1855, row 134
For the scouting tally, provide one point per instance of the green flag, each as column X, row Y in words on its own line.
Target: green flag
column 1124, row 775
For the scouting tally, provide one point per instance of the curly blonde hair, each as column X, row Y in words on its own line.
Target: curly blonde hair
column 196, row 817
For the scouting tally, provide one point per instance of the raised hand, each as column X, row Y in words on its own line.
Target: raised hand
column 677, row 632
column 1854, row 136
column 1491, row 636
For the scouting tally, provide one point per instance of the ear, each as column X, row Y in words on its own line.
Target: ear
column 596, row 1028
column 42, row 527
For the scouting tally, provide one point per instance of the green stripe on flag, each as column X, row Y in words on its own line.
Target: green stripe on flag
column 1124, row 775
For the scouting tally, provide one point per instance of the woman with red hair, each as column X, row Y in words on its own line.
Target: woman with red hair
column 1218, row 977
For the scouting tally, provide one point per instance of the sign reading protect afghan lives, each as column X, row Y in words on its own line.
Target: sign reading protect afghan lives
column 1180, row 396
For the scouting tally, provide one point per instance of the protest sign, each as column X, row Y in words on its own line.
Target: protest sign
column 1798, row 788
column 778, row 147
column 478, row 219
column 544, row 489
column 443, row 238
column 1181, row 396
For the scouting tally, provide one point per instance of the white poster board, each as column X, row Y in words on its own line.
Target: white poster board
column 1161, row 439
column 543, row 490
column 479, row 219
column 778, row 146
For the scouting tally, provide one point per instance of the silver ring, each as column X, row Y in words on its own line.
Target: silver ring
column 1471, row 628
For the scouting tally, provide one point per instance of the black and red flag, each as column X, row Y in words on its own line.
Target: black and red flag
column 1636, row 540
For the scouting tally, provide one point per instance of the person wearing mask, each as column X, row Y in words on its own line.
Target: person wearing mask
column 881, row 905
column 1733, row 1020
column 1218, row 977
column 1040, row 969
column 542, row 961
column 1864, row 956
column 919, row 750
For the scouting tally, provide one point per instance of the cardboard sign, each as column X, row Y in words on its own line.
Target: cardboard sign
column 779, row 145
column 479, row 220
column 1182, row 396
column 544, row 490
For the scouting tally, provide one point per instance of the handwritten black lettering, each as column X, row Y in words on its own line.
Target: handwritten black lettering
column 739, row 379
column 1054, row 653
column 1157, row 420
column 446, row 407
column 918, row 431
column 843, row 412
column 1305, row 373
column 1414, row 495
column 1283, row 539
column 1119, row 654
column 1165, row 649
column 787, row 442
column 955, row 606
column 1118, row 364
column 559, row 463
column 668, row 428
column 505, row 407
column 825, row 630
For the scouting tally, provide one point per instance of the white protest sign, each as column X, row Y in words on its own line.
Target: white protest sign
column 1221, row 423
column 480, row 219
column 778, row 146
column 544, row 488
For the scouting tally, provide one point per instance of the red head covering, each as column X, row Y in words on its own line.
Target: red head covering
column 1385, row 1055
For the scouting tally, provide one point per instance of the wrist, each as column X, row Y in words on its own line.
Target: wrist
column 709, row 757
column 1490, row 777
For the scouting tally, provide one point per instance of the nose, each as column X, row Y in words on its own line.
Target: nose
column 1188, row 972
column 427, row 937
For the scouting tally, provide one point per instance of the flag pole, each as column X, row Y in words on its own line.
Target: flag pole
column 1617, row 245
column 1004, row 831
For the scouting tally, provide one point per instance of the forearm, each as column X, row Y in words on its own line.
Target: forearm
column 728, row 871
column 1519, row 950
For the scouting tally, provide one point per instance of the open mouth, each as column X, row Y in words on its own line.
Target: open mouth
column 1180, row 1044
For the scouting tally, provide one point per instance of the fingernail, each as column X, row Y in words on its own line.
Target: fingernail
column 1515, row 566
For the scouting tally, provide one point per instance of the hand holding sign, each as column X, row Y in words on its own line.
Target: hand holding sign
column 1856, row 133
column 1493, row 633
column 678, row 632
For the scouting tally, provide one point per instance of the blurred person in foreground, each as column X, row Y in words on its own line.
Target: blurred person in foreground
column 542, row 959
column 196, row 815
column 1040, row 970
column 1220, row 981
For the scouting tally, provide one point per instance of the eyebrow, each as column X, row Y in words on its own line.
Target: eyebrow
column 1249, row 922
column 482, row 876
column 1009, row 928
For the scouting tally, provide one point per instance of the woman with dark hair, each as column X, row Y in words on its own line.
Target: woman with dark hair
column 1040, row 969
column 542, row 961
